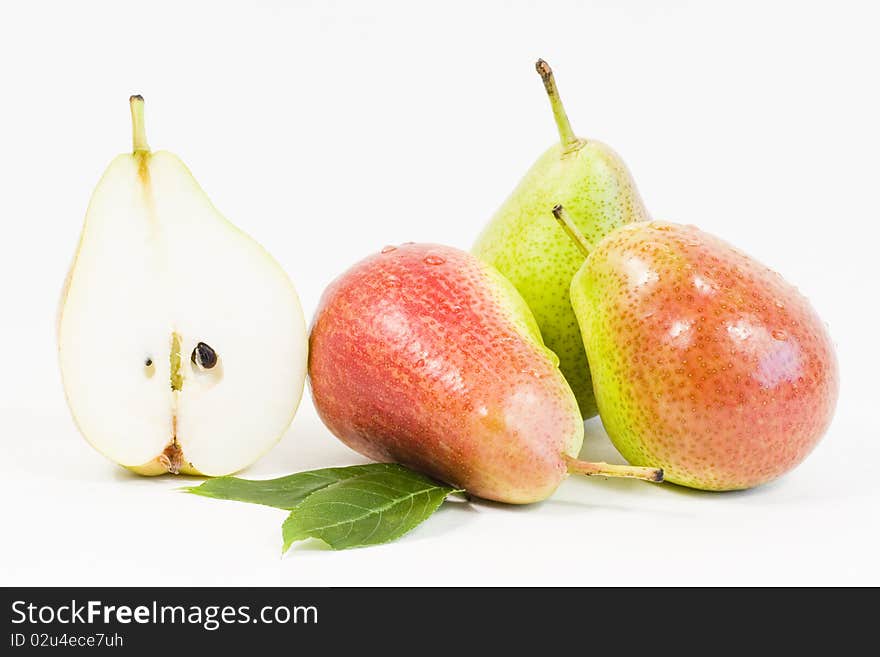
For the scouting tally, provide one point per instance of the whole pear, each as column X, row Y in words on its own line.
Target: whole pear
column 705, row 362
column 426, row 356
column 524, row 243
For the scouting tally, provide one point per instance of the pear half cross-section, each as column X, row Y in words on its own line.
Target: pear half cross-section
column 182, row 342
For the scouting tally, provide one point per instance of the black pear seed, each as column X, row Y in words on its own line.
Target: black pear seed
column 148, row 362
column 204, row 356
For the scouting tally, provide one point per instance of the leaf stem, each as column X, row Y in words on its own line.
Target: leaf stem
column 579, row 467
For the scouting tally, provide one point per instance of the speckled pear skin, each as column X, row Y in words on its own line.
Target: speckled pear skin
column 705, row 362
column 525, row 244
column 426, row 356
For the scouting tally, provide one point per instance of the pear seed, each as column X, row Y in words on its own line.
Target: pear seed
column 204, row 356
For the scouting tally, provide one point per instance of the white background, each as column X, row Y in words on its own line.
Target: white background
column 327, row 130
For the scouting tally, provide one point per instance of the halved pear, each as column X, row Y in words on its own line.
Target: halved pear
column 182, row 342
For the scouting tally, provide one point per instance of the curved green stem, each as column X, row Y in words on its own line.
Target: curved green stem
column 138, row 129
column 579, row 239
column 566, row 134
column 576, row 466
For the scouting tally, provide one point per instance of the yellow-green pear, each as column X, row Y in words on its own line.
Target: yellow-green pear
column 524, row 242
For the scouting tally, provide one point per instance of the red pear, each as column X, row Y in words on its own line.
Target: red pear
column 704, row 361
column 426, row 356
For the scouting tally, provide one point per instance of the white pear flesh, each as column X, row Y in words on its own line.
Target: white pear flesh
column 158, row 266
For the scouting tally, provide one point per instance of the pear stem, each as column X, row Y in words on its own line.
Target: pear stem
column 576, row 466
column 138, row 129
column 580, row 241
column 566, row 134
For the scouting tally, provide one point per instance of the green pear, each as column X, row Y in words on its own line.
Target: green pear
column 524, row 242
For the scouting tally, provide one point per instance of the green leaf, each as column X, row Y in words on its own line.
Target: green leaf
column 367, row 509
column 284, row 492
